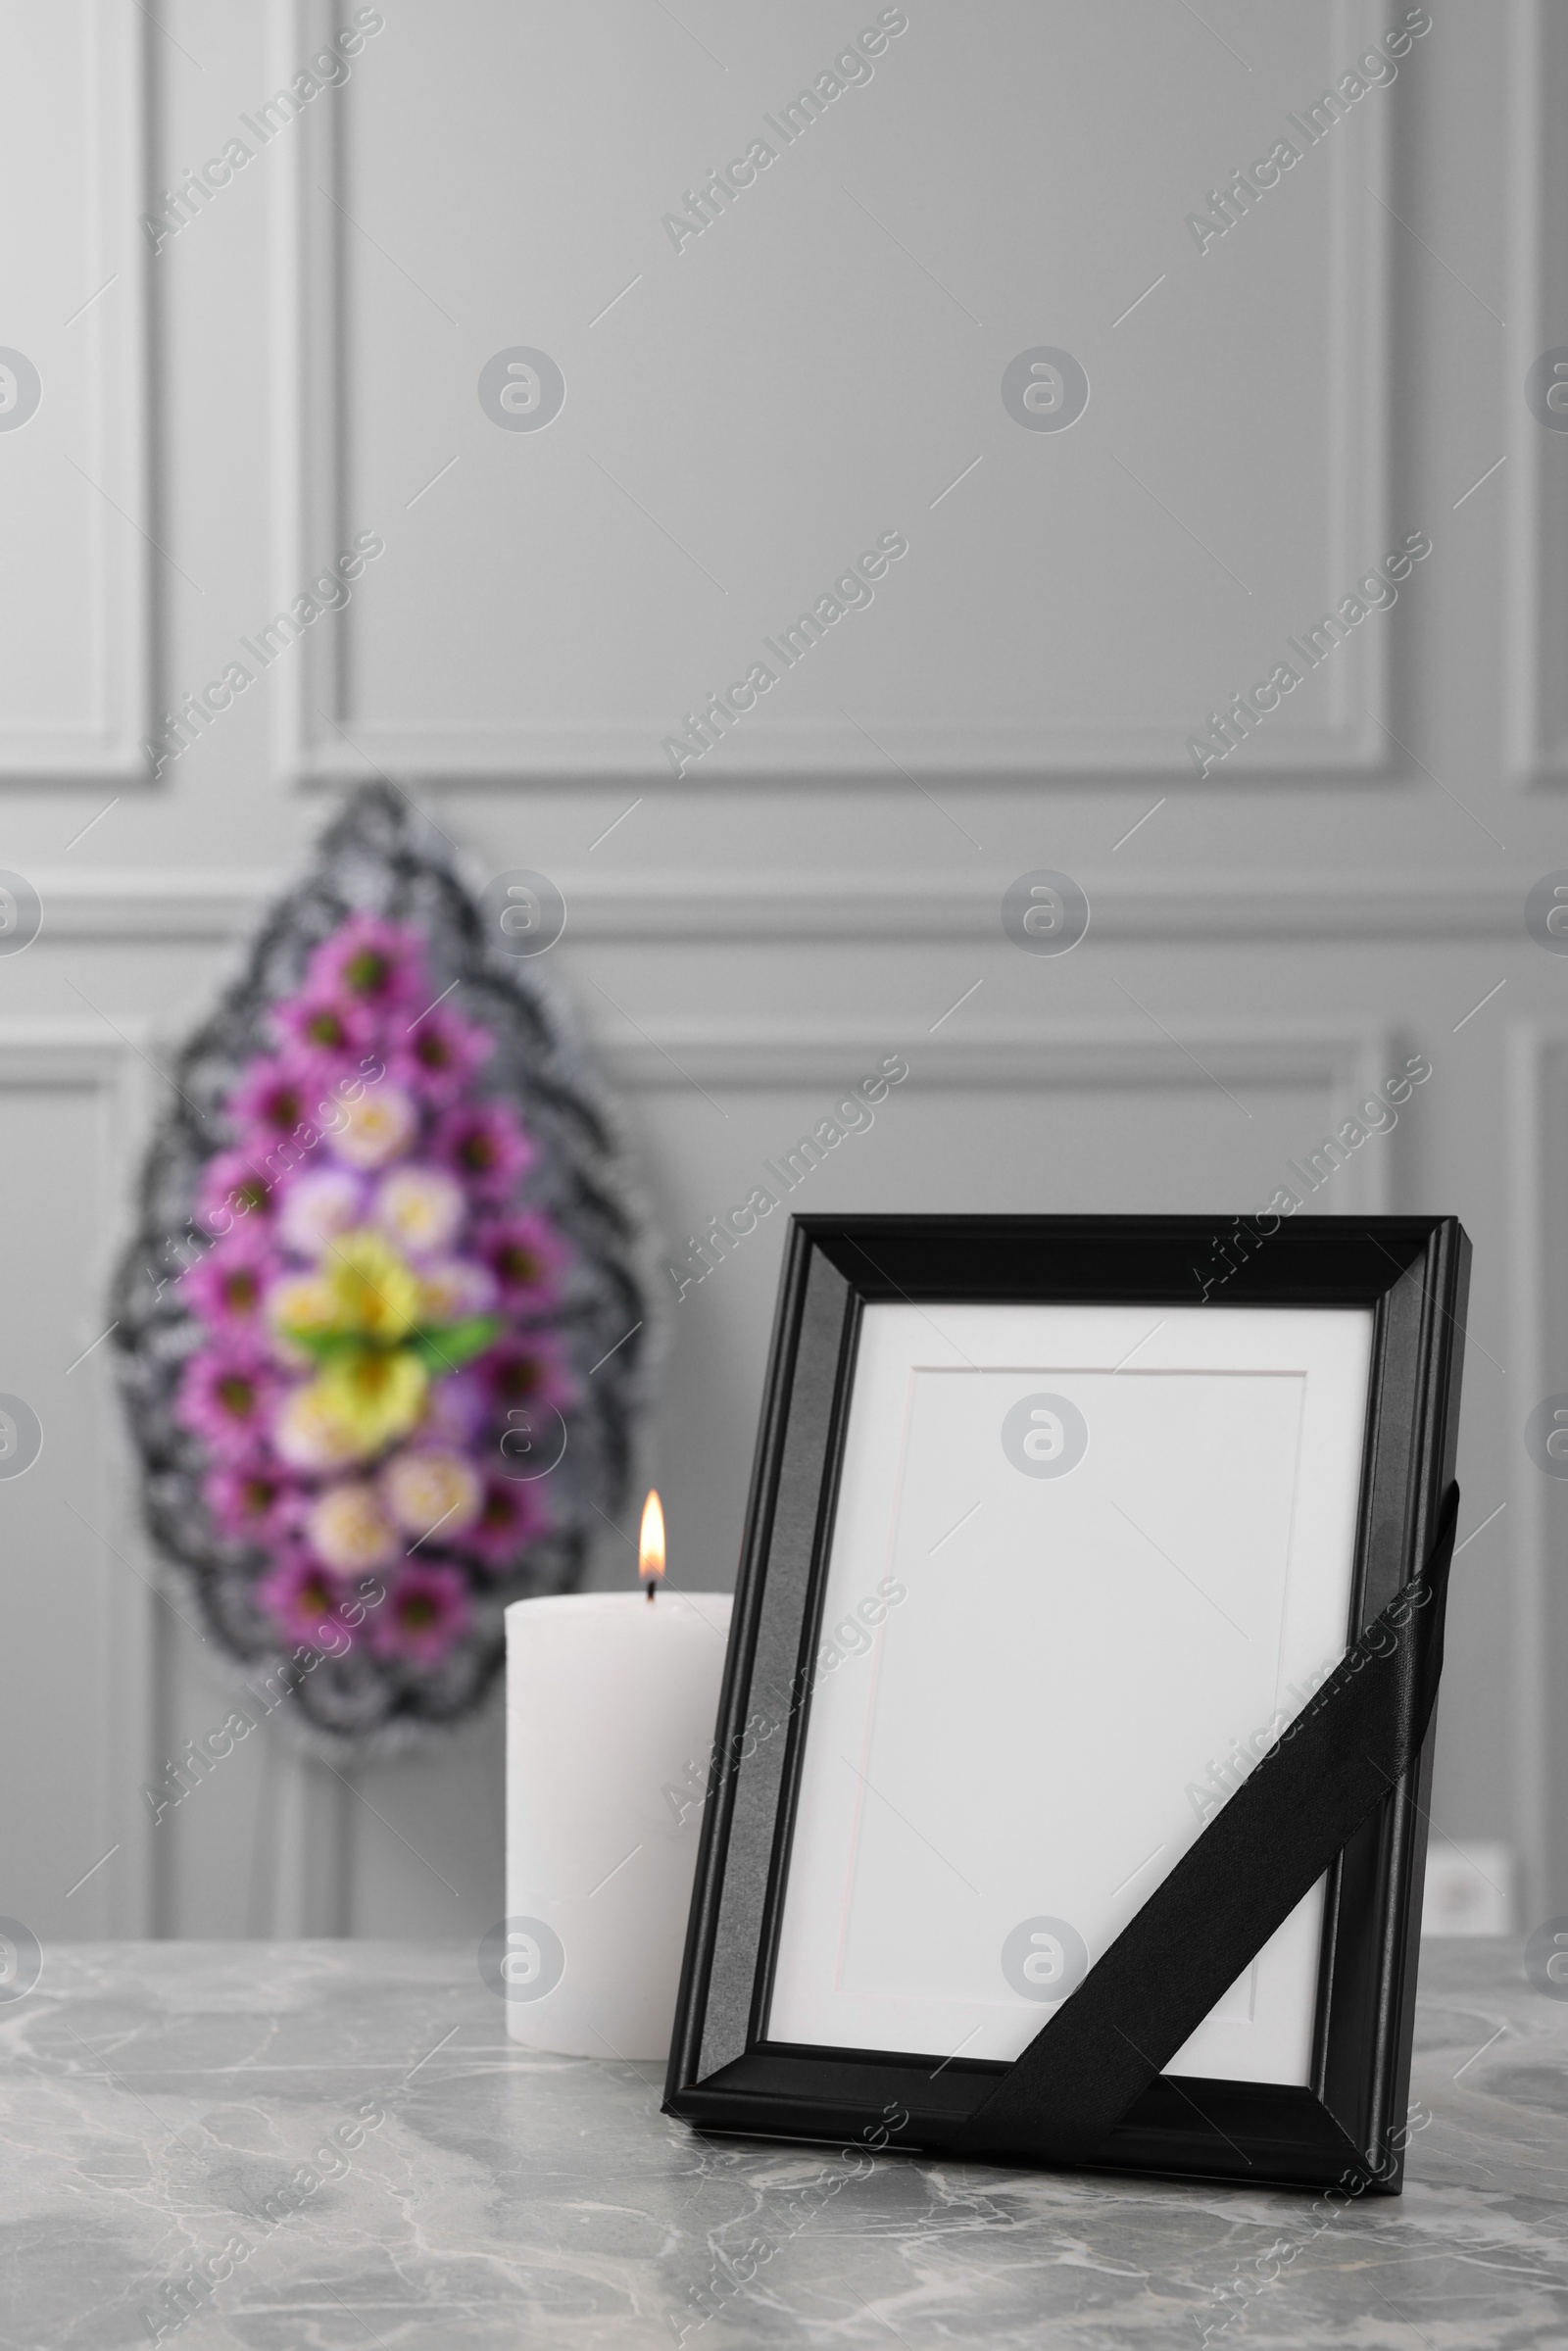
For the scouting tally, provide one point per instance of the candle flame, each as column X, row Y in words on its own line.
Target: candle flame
column 651, row 1542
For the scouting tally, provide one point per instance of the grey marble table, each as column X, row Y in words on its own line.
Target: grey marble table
column 334, row 2143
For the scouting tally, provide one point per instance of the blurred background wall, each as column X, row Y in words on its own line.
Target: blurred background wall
column 1292, row 376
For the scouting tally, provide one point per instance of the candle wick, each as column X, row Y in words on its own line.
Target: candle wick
column 652, row 1585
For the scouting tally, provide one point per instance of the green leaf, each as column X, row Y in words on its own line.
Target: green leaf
column 322, row 1344
column 445, row 1346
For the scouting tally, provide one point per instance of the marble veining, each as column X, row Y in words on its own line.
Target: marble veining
column 298, row 2147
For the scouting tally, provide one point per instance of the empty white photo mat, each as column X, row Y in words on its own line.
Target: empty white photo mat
column 1086, row 1562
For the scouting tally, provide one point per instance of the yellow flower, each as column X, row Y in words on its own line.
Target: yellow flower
column 375, row 1291
column 374, row 1394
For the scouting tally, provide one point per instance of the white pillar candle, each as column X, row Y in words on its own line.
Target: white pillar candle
column 612, row 1703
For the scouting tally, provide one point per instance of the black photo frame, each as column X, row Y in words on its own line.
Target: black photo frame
column 1408, row 1278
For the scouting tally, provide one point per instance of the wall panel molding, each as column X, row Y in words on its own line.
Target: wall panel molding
column 320, row 742
column 114, row 608
column 167, row 906
column 761, row 1054
column 116, row 1675
column 1084, row 1052
column 1538, row 1181
column 143, row 1656
column 1537, row 718
column 1346, row 1063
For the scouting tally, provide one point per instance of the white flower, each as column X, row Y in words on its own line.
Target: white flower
column 347, row 1529
column 319, row 1206
column 421, row 1208
column 375, row 1128
column 298, row 1306
column 454, row 1290
column 302, row 1302
column 426, row 1488
column 309, row 1434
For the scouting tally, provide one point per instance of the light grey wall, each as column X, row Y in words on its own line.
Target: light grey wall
column 1271, row 412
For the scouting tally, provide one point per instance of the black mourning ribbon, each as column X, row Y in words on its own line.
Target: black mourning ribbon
column 1327, row 1770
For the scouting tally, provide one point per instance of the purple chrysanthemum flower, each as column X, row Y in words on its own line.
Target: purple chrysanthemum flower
column 306, row 1601
column 226, row 1287
column 437, row 1053
column 486, row 1148
column 425, row 1610
column 226, row 1395
column 325, row 1031
column 527, row 1373
column 274, row 1097
column 379, row 965
column 254, row 1500
column 234, row 1185
column 512, row 1516
column 527, row 1257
